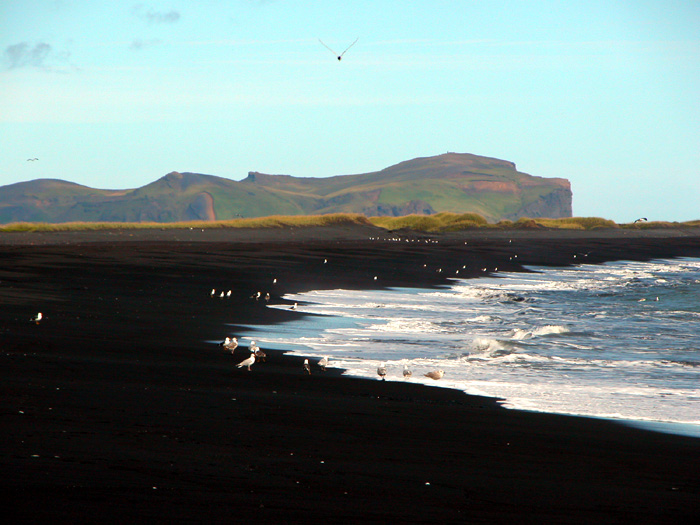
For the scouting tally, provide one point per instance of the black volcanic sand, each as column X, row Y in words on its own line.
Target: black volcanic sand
column 115, row 408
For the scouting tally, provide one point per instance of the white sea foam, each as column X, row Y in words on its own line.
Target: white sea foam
column 574, row 340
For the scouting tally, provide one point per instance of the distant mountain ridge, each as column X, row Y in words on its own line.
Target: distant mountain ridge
column 457, row 182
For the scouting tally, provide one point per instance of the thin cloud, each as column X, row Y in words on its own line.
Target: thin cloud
column 24, row 55
column 139, row 44
column 156, row 17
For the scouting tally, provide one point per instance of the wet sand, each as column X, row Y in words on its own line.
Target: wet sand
column 116, row 408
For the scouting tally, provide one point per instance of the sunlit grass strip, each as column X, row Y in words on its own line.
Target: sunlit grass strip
column 440, row 222
column 273, row 221
column 576, row 223
column 445, row 221
column 650, row 225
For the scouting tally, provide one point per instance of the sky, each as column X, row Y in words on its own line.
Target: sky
column 116, row 94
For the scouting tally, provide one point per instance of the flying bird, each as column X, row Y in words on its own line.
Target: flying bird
column 382, row 371
column 32, row 160
column 641, row 219
column 339, row 56
column 435, row 374
column 247, row 362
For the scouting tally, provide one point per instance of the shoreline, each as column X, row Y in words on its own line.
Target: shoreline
column 682, row 428
column 115, row 408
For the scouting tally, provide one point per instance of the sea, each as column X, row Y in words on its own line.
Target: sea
column 618, row 340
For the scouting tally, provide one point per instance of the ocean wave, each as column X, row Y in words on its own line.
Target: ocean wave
column 519, row 333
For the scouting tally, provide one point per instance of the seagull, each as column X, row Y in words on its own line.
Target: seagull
column 213, row 292
column 406, row 372
column 228, row 294
column 382, row 371
column 32, row 160
column 435, row 374
column 641, row 219
column 339, row 56
column 247, row 362
column 259, row 354
column 323, row 363
column 267, row 297
column 230, row 343
column 294, row 306
column 38, row 317
column 307, row 367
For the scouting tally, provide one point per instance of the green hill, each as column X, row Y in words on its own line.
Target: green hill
column 460, row 183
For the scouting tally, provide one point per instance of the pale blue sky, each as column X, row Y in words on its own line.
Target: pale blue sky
column 117, row 94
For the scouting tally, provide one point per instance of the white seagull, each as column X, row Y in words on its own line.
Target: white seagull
column 38, row 317
column 339, row 56
column 435, row 374
column 247, row 362
column 406, row 372
column 641, row 219
column 382, row 371
column 307, row 366
column 323, row 363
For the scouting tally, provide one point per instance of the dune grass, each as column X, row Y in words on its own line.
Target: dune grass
column 440, row 222
column 273, row 221
column 576, row 223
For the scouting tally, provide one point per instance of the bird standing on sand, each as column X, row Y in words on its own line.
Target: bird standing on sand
column 323, row 363
column 259, row 354
column 38, row 317
column 230, row 343
column 307, row 366
column 382, row 371
column 406, row 372
column 294, row 306
column 247, row 362
column 435, row 374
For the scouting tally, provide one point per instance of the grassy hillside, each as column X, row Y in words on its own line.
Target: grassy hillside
column 457, row 183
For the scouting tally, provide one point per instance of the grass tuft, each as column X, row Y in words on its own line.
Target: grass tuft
column 440, row 222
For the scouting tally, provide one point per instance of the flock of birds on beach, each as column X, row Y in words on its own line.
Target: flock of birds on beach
column 258, row 355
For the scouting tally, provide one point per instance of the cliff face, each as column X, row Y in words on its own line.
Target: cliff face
column 451, row 182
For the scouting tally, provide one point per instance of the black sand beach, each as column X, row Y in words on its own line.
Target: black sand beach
column 115, row 408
